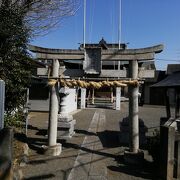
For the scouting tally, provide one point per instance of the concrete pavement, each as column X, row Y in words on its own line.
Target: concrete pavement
column 94, row 152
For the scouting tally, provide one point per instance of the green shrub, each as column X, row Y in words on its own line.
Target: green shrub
column 15, row 120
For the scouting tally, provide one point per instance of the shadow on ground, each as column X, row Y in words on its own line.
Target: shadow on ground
column 84, row 132
column 100, row 105
column 146, row 171
column 109, row 139
column 40, row 177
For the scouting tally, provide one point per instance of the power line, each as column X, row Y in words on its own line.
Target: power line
column 174, row 60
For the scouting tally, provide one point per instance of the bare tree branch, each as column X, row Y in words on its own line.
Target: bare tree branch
column 43, row 15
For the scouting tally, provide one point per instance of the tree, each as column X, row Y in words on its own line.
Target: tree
column 14, row 59
column 43, row 15
column 47, row 14
column 19, row 20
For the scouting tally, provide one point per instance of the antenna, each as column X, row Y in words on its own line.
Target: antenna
column 120, row 23
column 84, row 30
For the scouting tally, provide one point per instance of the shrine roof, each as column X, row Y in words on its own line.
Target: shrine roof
column 170, row 81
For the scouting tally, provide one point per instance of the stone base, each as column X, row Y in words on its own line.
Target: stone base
column 65, row 117
column 131, row 158
column 65, row 127
column 52, row 150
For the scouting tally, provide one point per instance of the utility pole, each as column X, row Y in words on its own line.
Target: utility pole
column 120, row 24
column 84, row 29
column 119, row 29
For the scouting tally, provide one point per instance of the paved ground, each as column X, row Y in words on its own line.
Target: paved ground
column 94, row 152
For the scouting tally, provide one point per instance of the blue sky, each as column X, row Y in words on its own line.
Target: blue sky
column 144, row 23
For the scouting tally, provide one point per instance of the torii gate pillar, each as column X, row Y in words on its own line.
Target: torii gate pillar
column 133, row 109
column 53, row 148
column 134, row 155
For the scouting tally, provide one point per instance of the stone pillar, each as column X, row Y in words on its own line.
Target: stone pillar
column 92, row 96
column 2, row 97
column 133, row 109
column 83, row 98
column 89, row 96
column 112, row 98
column 53, row 148
column 118, row 98
column 65, row 120
column 168, row 109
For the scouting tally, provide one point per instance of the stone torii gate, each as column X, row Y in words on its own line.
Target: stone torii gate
column 131, row 55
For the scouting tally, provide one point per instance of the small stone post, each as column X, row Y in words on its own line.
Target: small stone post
column 118, row 98
column 83, row 98
column 2, row 97
column 53, row 148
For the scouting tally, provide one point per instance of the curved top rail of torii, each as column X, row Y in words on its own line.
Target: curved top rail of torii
column 141, row 54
